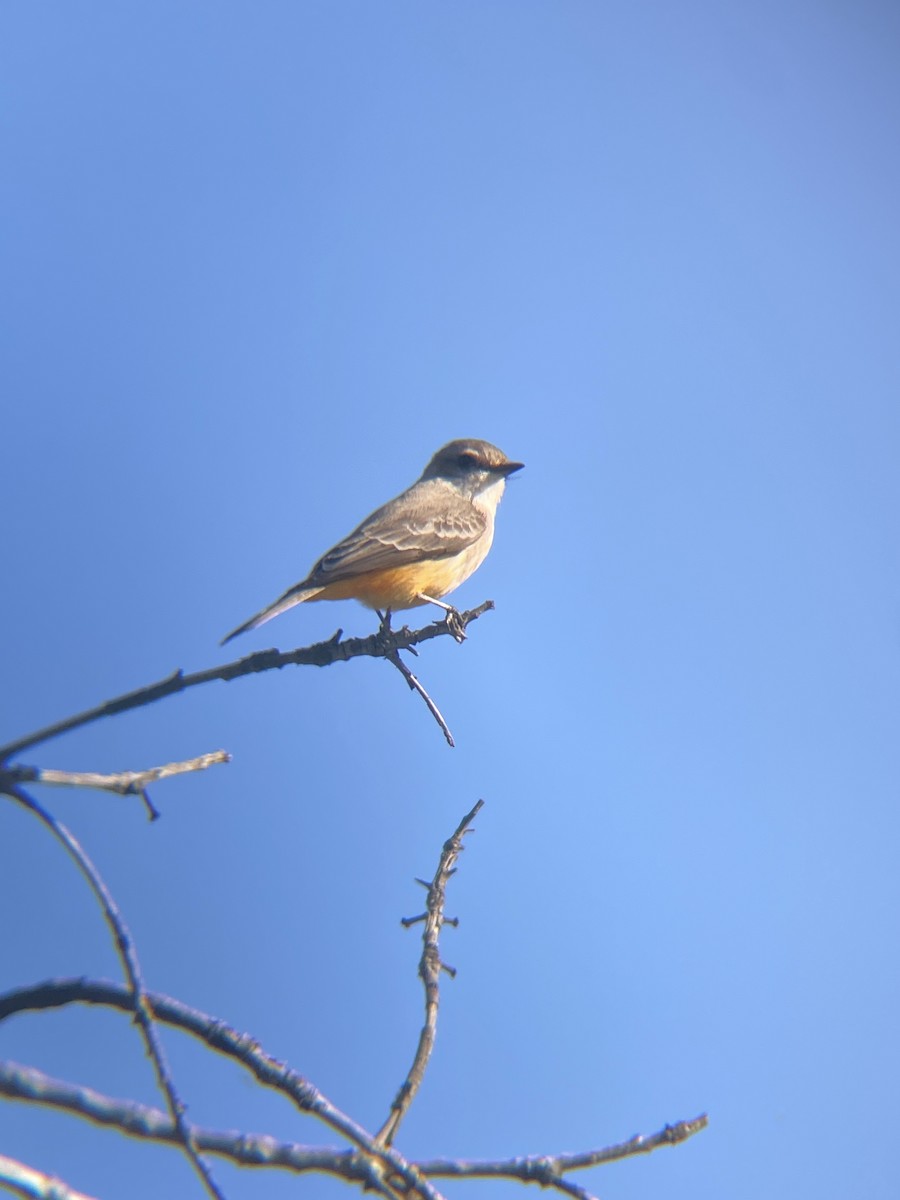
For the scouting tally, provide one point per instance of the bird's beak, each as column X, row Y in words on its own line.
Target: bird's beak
column 507, row 468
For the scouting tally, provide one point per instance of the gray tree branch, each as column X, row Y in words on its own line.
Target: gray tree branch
column 123, row 783
column 430, row 967
column 382, row 644
column 124, row 946
column 220, row 1037
column 261, row 1150
column 25, row 1181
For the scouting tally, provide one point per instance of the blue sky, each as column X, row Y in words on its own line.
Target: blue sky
column 259, row 262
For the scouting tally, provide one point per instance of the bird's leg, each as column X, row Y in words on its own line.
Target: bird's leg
column 385, row 629
column 454, row 621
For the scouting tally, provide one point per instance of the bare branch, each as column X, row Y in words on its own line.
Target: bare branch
column 261, row 1150
column 571, row 1189
column 128, row 957
column 547, row 1170
column 416, row 686
column 378, row 645
column 123, row 783
column 31, row 1184
column 243, row 1049
column 152, row 1124
column 430, row 973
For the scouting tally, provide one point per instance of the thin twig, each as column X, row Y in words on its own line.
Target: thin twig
column 547, row 1170
column 322, row 654
column 570, row 1189
column 416, row 686
column 128, row 957
column 123, row 783
column 220, row 1037
column 430, row 973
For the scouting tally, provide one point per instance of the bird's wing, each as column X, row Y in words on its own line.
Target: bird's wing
column 404, row 531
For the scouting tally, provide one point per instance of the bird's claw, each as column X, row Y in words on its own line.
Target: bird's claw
column 455, row 624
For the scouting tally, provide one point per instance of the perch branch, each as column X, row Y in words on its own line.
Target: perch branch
column 378, row 645
column 128, row 957
column 430, row 967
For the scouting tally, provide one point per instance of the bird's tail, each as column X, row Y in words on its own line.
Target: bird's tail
column 294, row 595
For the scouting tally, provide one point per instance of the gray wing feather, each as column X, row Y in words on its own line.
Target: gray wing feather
column 401, row 533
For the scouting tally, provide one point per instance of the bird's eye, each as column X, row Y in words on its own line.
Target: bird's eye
column 467, row 460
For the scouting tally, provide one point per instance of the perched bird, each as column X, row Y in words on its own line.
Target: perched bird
column 419, row 546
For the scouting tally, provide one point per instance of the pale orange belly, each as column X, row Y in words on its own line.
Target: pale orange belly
column 400, row 587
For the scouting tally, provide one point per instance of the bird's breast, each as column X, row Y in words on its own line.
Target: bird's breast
column 400, row 587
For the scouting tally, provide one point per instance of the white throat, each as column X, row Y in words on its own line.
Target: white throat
column 488, row 500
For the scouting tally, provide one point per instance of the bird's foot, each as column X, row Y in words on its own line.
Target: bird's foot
column 453, row 620
column 455, row 625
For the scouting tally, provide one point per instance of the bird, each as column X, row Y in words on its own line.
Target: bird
column 416, row 548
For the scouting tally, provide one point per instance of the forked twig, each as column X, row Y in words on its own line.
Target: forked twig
column 374, row 1163
column 430, row 967
column 123, row 783
column 243, row 1049
column 152, row 1124
column 261, row 1150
